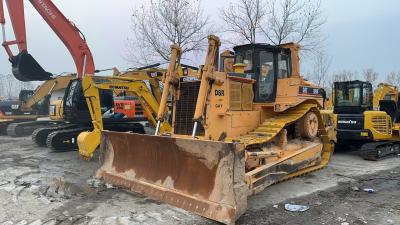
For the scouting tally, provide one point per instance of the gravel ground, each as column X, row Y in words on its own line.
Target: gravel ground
column 40, row 187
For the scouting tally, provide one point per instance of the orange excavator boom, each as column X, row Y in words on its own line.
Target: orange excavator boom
column 24, row 66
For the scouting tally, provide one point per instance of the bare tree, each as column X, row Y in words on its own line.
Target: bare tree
column 345, row 75
column 160, row 23
column 393, row 78
column 320, row 73
column 370, row 75
column 10, row 87
column 244, row 19
column 296, row 21
column 276, row 21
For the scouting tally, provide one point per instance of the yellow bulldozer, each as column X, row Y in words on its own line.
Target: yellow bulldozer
column 241, row 126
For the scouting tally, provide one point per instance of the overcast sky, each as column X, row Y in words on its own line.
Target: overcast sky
column 361, row 34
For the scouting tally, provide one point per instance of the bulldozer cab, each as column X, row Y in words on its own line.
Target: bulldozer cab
column 265, row 64
column 352, row 97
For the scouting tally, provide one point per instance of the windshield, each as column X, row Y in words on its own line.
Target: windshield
column 352, row 94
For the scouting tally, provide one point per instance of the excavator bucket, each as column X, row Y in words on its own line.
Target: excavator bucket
column 203, row 177
column 26, row 68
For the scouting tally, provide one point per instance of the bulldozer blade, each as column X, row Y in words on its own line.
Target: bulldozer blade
column 203, row 177
column 26, row 68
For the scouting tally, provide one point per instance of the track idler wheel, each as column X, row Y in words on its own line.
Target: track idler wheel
column 308, row 126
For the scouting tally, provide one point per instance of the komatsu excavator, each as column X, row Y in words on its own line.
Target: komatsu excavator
column 44, row 91
column 89, row 141
column 367, row 119
column 234, row 133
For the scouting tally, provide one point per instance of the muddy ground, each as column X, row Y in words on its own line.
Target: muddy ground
column 40, row 187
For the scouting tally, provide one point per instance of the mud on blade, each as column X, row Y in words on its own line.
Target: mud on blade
column 203, row 177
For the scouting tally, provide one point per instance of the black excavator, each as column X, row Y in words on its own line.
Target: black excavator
column 16, row 111
column 77, row 119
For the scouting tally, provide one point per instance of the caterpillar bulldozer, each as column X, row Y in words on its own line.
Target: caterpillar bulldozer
column 42, row 95
column 367, row 119
column 236, row 129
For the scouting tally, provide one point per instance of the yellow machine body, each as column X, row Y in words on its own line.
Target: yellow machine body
column 130, row 84
column 235, row 146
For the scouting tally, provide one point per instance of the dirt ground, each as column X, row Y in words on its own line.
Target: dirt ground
column 40, row 187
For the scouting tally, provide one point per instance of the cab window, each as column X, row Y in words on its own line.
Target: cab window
column 283, row 64
column 266, row 78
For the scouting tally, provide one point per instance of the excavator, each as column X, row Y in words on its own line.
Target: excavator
column 44, row 91
column 235, row 131
column 16, row 110
column 85, row 104
column 369, row 120
column 26, row 68
column 89, row 141
column 76, row 118
column 24, row 65
column 18, row 116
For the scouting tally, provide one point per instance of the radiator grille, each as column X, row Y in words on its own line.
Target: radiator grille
column 381, row 124
column 185, row 108
column 247, row 97
column 235, row 100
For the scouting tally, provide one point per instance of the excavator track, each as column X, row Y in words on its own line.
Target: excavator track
column 27, row 128
column 375, row 151
column 270, row 129
column 65, row 139
column 39, row 136
column 3, row 126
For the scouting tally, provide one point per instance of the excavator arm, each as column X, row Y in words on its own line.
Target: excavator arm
column 47, row 88
column 89, row 141
column 24, row 66
column 385, row 92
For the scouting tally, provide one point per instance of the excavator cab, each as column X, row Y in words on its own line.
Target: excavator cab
column 74, row 103
column 26, row 68
column 352, row 97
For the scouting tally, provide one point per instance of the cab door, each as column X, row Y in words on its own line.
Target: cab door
column 266, row 77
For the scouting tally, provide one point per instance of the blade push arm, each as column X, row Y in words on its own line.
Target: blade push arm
column 25, row 67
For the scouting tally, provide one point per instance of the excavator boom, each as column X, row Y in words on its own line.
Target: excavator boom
column 130, row 84
column 48, row 87
column 24, row 66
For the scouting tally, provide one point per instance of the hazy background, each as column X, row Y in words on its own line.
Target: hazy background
column 360, row 34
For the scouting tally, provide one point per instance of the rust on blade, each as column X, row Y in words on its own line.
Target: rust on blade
column 203, row 177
